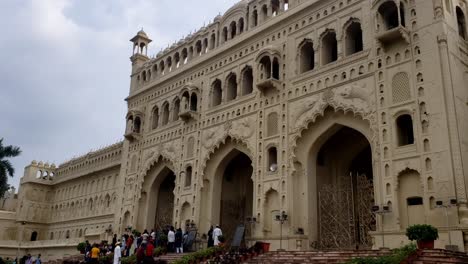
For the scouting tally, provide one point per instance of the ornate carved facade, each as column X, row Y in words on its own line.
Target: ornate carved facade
column 275, row 106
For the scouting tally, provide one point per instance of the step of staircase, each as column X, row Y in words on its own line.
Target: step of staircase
column 436, row 256
column 171, row 258
column 295, row 257
column 439, row 256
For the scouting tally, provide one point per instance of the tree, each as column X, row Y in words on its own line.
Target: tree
column 6, row 168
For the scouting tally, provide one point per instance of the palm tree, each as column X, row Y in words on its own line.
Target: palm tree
column 6, row 168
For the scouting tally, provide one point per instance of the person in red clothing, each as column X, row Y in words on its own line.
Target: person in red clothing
column 149, row 253
column 128, row 245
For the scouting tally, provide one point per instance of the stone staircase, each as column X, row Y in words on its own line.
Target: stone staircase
column 170, row 258
column 290, row 257
column 439, row 256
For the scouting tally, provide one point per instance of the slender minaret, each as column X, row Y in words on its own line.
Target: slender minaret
column 140, row 49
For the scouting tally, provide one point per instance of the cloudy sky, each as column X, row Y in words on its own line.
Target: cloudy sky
column 65, row 68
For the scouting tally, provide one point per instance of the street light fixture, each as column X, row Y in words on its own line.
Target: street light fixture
column 23, row 223
column 281, row 218
column 251, row 220
column 382, row 210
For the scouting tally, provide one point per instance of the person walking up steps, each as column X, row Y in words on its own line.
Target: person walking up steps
column 216, row 234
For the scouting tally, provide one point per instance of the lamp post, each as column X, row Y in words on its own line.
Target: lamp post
column 19, row 240
column 281, row 218
column 251, row 221
column 452, row 203
column 382, row 210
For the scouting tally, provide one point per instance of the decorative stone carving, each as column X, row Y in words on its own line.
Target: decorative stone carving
column 243, row 128
column 354, row 96
column 412, row 164
column 171, row 149
column 305, row 109
column 211, row 136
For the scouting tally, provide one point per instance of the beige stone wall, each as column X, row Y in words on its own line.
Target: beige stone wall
column 201, row 103
column 393, row 76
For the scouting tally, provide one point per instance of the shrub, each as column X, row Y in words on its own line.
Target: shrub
column 107, row 259
column 158, row 251
column 81, row 247
column 422, row 233
column 129, row 260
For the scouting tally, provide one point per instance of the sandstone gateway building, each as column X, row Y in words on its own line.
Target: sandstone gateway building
column 318, row 109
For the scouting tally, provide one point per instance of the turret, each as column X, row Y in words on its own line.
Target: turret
column 140, row 49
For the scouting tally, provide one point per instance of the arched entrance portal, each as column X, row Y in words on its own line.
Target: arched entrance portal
column 156, row 206
column 236, row 194
column 227, row 193
column 345, row 190
column 165, row 201
column 332, row 187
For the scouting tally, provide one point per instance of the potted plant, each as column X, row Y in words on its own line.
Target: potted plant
column 81, row 247
column 424, row 235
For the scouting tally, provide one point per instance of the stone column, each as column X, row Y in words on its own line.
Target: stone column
column 452, row 129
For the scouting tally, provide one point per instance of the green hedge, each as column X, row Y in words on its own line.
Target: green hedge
column 129, row 260
column 205, row 253
column 397, row 256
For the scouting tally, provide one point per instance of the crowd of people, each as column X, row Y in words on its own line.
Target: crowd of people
column 26, row 259
column 142, row 245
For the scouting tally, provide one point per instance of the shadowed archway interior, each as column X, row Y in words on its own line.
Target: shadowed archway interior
column 236, row 194
column 344, row 183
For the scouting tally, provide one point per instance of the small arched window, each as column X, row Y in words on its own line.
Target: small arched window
column 184, row 56
column 217, row 93
column 175, row 115
column 205, row 45
column 255, row 18
column 307, row 56
column 405, row 132
column 329, row 47
column 162, row 67
column 188, row 176
column 190, row 147
column 264, row 12
column 265, row 68
column 276, row 69
column 233, row 29
column 231, row 87
column 461, row 21
column 165, row 114
column 34, row 236
column 198, row 47
column 354, row 41
column 213, row 41
column 137, row 125
column 247, row 80
column 241, row 25
column 389, row 14
column 177, row 59
column 155, row 118
column 225, row 34
column 275, row 6
column 193, row 102
column 272, row 124
column 272, row 159
column 402, row 14
column 169, row 63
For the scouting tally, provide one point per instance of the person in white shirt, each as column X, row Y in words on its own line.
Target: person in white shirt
column 117, row 253
column 216, row 234
column 171, row 239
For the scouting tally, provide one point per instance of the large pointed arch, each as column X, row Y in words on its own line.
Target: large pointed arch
column 214, row 177
column 324, row 137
